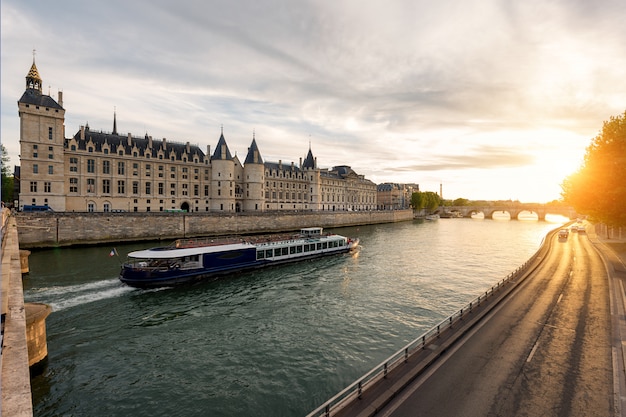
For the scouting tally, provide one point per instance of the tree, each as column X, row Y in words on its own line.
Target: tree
column 425, row 200
column 7, row 177
column 598, row 188
column 461, row 202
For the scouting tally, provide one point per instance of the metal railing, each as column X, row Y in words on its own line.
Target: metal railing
column 354, row 390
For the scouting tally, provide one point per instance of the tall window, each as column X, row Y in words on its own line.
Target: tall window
column 35, row 151
column 91, row 165
column 91, row 185
column 106, row 186
column 50, row 169
column 106, row 167
column 120, row 168
column 35, row 169
column 73, row 164
column 135, row 187
column 33, row 186
column 73, row 185
column 148, row 188
column 50, row 133
column 47, row 187
column 91, row 207
column 161, row 188
column 106, row 207
column 121, row 187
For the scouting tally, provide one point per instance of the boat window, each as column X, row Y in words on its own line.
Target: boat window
column 307, row 248
column 319, row 246
column 299, row 249
column 277, row 252
column 285, row 251
column 260, row 254
column 292, row 249
column 269, row 253
column 324, row 245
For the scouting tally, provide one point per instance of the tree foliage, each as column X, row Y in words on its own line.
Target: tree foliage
column 425, row 200
column 598, row 188
column 7, row 177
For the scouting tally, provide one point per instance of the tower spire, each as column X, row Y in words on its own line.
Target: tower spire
column 114, row 121
column 33, row 79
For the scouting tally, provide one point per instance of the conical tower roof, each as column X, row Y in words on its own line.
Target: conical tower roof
column 254, row 156
column 221, row 150
column 309, row 161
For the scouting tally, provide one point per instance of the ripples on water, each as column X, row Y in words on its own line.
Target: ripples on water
column 274, row 342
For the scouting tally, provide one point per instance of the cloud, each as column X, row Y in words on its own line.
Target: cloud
column 446, row 85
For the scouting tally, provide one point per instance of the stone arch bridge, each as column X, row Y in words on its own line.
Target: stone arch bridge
column 513, row 210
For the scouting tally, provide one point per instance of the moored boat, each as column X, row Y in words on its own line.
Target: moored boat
column 190, row 260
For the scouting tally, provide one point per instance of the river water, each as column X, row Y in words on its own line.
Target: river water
column 275, row 342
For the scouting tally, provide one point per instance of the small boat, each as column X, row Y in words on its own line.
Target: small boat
column 191, row 260
column 432, row 217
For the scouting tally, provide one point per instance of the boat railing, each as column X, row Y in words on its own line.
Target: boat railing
column 380, row 371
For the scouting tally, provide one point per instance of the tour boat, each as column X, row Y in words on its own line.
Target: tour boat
column 190, row 260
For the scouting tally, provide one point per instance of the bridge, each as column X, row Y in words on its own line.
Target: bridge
column 514, row 210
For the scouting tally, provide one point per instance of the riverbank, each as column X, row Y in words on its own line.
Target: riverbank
column 40, row 230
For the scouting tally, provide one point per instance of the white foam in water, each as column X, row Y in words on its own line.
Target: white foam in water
column 60, row 298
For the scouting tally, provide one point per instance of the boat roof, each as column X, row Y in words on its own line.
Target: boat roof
column 172, row 252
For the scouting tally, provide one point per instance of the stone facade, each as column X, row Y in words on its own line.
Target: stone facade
column 96, row 171
column 66, row 229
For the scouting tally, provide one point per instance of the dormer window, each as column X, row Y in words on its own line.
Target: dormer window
column 90, row 149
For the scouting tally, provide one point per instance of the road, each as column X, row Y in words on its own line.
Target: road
column 546, row 351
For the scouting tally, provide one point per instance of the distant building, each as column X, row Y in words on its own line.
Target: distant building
column 393, row 196
column 100, row 171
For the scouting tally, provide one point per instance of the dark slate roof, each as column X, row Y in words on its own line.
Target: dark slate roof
column 309, row 161
column 218, row 149
column 387, row 187
column 343, row 170
column 118, row 142
column 285, row 167
column 33, row 96
column 252, row 150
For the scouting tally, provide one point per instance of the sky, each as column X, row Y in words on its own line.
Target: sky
column 492, row 99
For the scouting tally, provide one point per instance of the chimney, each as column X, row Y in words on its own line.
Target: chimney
column 130, row 140
column 300, row 162
column 188, row 148
column 208, row 151
column 164, row 144
column 150, row 142
column 61, row 98
column 315, row 165
column 82, row 133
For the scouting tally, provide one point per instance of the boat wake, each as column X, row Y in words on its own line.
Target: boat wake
column 63, row 297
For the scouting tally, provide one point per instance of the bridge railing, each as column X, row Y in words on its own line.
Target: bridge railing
column 380, row 371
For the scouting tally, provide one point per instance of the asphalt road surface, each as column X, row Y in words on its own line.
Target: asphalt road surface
column 545, row 351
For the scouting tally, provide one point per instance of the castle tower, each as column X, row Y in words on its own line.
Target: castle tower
column 42, row 134
column 222, row 178
column 254, row 179
column 314, row 181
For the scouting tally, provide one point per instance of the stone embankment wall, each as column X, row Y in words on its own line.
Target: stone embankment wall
column 65, row 229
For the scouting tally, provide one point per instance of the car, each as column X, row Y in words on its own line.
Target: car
column 563, row 233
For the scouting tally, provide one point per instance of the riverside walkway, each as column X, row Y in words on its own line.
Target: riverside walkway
column 15, row 387
column 548, row 340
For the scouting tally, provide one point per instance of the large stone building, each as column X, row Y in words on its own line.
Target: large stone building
column 101, row 171
column 393, row 196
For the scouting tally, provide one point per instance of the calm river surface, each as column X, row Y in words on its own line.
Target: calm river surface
column 277, row 342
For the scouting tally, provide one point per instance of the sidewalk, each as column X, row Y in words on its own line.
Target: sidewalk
column 613, row 251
